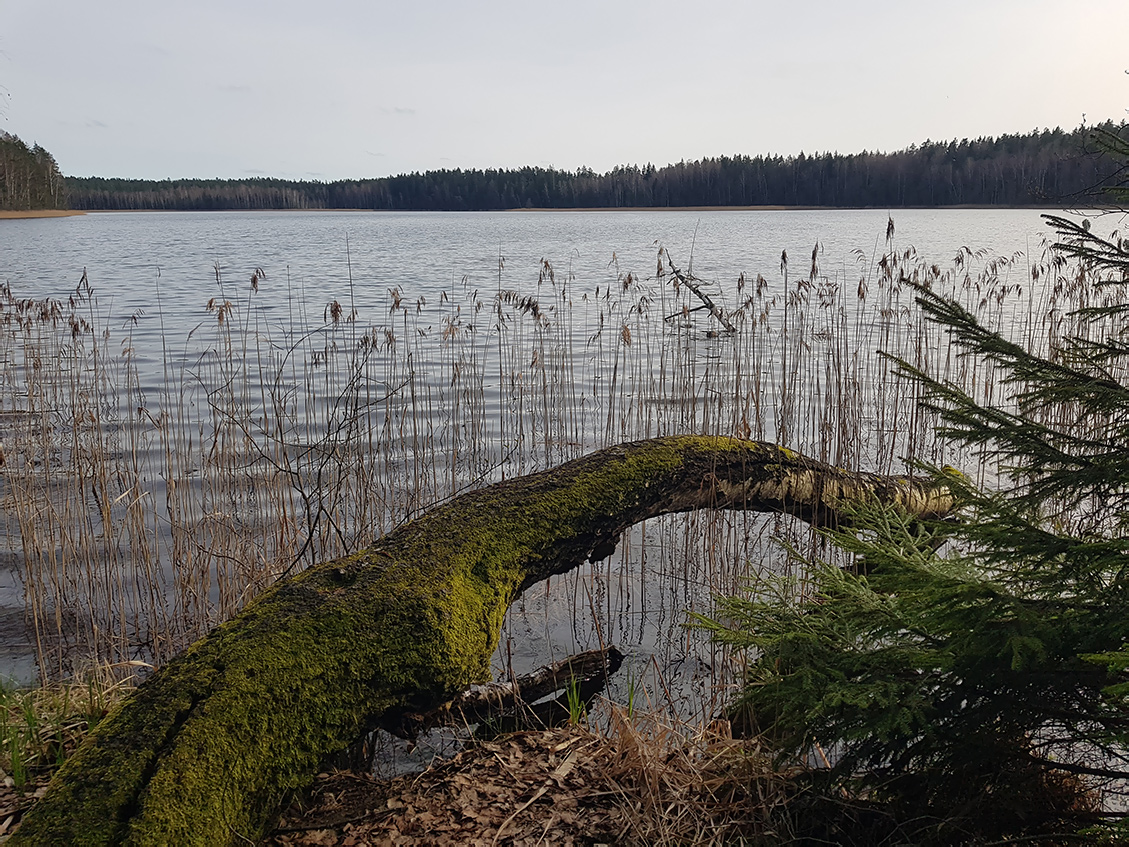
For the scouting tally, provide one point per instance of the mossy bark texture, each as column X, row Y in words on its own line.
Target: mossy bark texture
column 206, row 749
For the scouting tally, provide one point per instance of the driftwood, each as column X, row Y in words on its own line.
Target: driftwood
column 206, row 750
column 497, row 708
column 589, row 670
column 691, row 282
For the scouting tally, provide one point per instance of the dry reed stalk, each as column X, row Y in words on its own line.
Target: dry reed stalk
column 692, row 784
column 146, row 509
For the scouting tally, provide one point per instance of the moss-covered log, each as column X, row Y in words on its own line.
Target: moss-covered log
column 207, row 748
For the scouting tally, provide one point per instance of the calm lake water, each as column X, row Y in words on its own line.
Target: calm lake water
column 127, row 255
column 153, row 274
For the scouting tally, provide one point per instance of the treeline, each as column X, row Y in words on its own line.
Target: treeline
column 29, row 177
column 1039, row 168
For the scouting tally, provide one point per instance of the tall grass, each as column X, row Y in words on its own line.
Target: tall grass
column 149, row 497
column 39, row 727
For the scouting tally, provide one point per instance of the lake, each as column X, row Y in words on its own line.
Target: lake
column 222, row 397
column 424, row 253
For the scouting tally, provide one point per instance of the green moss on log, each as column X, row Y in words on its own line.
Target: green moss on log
column 207, row 749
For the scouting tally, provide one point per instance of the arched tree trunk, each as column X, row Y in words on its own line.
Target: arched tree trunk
column 208, row 747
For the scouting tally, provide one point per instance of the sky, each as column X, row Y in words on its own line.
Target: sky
column 342, row 89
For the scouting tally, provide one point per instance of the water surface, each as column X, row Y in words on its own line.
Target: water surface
column 434, row 290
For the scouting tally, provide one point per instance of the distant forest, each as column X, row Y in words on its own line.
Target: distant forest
column 29, row 177
column 1047, row 167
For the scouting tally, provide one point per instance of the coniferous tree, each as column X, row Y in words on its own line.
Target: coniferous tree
column 968, row 679
column 29, row 177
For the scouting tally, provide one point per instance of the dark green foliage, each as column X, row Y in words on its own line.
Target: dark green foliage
column 29, row 177
column 970, row 682
column 1039, row 167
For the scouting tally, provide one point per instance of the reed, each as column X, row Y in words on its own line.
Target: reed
column 147, row 502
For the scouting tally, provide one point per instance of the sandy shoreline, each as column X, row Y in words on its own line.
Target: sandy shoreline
column 38, row 213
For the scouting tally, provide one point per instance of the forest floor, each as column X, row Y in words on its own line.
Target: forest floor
column 548, row 787
column 565, row 786
column 635, row 784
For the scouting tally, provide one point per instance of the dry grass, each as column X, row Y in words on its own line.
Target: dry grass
column 39, row 727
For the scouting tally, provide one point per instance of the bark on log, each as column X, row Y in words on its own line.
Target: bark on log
column 207, row 748
column 484, row 702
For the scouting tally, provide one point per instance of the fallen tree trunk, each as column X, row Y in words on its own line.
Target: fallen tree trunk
column 207, row 748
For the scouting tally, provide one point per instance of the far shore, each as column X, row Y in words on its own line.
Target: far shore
column 11, row 214
column 58, row 213
column 769, row 208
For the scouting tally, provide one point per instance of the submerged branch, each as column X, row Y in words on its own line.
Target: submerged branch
column 691, row 282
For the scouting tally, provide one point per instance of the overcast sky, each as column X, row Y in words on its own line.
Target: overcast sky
column 331, row 89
